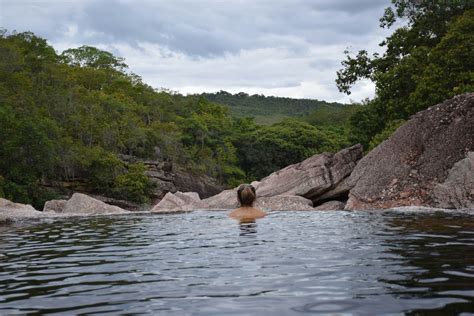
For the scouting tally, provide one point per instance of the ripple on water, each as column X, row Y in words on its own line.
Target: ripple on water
column 205, row 264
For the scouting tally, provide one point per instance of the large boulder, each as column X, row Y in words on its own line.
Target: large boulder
column 178, row 201
column 457, row 191
column 284, row 203
column 226, row 200
column 54, row 206
column 85, row 205
column 314, row 176
column 405, row 169
column 13, row 212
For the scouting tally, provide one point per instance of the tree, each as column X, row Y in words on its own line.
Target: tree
column 426, row 61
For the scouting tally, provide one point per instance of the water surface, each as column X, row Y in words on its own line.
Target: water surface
column 202, row 263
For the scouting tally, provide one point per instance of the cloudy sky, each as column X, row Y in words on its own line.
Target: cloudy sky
column 274, row 47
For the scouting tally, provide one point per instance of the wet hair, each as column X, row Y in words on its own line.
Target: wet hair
column 246, row 195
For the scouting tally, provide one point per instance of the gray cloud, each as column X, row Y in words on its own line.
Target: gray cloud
column 264, row 44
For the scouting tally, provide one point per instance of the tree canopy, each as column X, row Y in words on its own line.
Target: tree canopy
column 426, row 61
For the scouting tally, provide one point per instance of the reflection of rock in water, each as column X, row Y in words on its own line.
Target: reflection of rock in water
column 248, row 229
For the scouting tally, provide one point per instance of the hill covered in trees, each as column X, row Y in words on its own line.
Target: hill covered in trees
column 269, row 109
column 70, row 116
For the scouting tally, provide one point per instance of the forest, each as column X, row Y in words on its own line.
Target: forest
column 70, row 116
column 270, row 109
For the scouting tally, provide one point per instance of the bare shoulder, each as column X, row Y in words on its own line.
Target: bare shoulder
column 247, row 212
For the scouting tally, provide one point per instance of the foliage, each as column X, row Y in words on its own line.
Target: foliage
column 426, row 61
column 133, row 185
column 273, row 147
column 267, row 109
column 70, row 118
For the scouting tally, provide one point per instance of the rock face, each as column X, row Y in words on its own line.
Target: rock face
column 83, row 204
column 314, row 176
column 168, row 178
column 13, row 212
column 457, row 191
column 416, row 163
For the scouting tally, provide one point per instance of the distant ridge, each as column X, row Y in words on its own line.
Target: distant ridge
column 267, row 110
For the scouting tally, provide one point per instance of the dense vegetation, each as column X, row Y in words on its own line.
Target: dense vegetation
column 70, row 117
column 268, row 109
column 428, row 60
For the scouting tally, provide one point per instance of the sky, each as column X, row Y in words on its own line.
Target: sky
column 289, row 48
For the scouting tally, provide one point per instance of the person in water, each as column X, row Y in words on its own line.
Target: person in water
column 246, row 212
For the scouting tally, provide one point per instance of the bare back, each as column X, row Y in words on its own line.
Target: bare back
column 247, row 214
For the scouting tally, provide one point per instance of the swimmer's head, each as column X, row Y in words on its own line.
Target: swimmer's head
column 246, row 195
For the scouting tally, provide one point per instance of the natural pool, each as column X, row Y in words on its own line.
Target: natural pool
column 202, row 263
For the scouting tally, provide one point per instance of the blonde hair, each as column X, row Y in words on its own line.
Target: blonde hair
column 246, row 195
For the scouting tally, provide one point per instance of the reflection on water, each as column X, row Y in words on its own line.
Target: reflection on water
column 248, row 229
column 204, row 263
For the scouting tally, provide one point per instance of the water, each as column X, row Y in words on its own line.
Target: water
column 202, row 263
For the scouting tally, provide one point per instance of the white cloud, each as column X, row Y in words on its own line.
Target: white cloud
column 284, row 48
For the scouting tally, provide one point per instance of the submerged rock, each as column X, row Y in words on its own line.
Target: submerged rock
column 415, row 164
column 314, row 176
column 83, row 204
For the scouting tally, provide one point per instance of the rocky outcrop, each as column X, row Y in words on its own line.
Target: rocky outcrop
column 457, row 191
column 55, row 206
column 14, row 212
column 177, row 201
column 417, row 163
column 226, row 200
column 85, row 205
column 331, row 206
column 319, row 174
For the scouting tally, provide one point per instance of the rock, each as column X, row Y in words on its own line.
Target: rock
column 126, row 205
column 203, row 185
column 13, row 212
column 55, row 206
column 457, row 191
column 284, row 203
column 83, row 204
column 405, row 169
column 330, row 206
column 226, row 200
column 312, row 177
column 177, row 201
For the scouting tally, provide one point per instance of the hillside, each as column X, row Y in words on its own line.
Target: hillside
column 267, row 109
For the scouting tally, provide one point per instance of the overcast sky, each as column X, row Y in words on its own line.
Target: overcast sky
column 274, row 47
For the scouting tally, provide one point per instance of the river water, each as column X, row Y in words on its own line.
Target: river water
column 202, row 263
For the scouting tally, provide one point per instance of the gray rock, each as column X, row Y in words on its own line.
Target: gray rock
column 226, row 200
column 330, row 206
column 83, row 204
column 284, row 203
column 457, row 191
column 13, row 212
column 312, row 177
column 404, row 169
column 55, row 206
column 178, row 201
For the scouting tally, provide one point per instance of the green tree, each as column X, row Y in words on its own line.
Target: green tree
column 426, row 61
